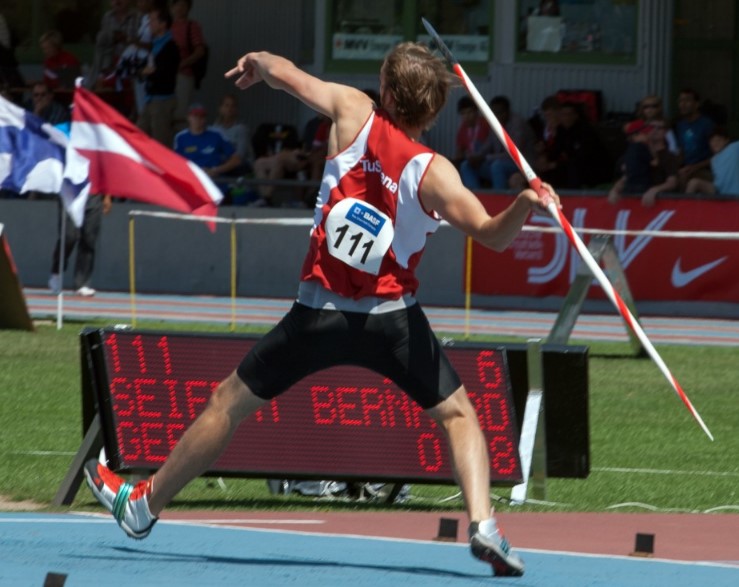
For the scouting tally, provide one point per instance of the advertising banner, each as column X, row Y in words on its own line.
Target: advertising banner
column 690, row 268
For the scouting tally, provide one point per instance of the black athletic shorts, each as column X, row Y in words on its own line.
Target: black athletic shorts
column 399, row 345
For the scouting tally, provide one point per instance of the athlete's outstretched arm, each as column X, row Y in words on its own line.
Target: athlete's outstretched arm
column 442, row 190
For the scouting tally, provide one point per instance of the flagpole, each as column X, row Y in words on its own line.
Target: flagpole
column 62, row 247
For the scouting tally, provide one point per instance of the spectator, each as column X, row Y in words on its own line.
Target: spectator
column 315, row 147
column 472, row 138
column 577, row 159
column 649, row 168
column 135, row 56
column 235, row 132
column 188, row 34
column 546, row 124
column 271, row 138
column 45, row 106
column 208, row 149
column 294, row 160
column 61, row 68
column 118, row 29
column 85, row 240
column 693, row 130
column 635, row 164
column 724, row 167
column 157, row 117
column 650, row 109
column 501, row 169
column 665, row 163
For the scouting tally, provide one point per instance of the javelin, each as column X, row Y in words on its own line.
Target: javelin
column 535, row 184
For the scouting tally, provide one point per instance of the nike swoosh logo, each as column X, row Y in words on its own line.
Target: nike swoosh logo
column 682, row 278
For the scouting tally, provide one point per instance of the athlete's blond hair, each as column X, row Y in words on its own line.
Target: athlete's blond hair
column 419, row 83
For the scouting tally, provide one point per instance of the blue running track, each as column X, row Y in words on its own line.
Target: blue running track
column 91, row 550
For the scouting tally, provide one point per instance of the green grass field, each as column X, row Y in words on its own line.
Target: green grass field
column 645, row 447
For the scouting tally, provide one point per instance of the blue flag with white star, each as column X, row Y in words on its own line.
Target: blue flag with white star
column 33, row 157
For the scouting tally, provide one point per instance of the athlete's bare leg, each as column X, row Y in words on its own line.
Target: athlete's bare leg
column 204, row 440
column 468, row 450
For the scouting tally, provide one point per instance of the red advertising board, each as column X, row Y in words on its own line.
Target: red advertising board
column 657, row 268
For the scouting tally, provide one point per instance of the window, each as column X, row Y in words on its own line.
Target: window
column 361, row 32
column 366, row 30
column 577, row 31
column 464, row 25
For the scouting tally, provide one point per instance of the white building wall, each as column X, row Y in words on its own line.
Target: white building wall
column 236, row 26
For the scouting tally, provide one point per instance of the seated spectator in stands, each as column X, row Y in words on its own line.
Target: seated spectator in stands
column 577, row 158
column 502, row 171
column 724, row 167
column 546, row 125
column 286, row 157
column 271, row 138
column 545, row 120
column 473, row 133
column 160, row 74
column 635, row 163
column 47, row 108
column 693, row 131
column 650, row 109
column 61, row 68
column 208, row 149
column 665, row 163
column 648, row 166
column 315, row 145
column 235, row 131
column 44, row 105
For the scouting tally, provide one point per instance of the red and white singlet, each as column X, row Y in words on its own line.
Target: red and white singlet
column 370, row 227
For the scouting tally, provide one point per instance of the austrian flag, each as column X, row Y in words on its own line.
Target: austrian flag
column 126, row 162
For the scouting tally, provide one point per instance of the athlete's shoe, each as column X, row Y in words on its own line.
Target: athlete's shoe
column 128, row 503
column 488, row 544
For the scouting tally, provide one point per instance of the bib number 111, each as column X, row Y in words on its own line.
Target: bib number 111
column 359, row 234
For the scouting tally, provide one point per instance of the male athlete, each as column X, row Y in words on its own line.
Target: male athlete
column 382, row 193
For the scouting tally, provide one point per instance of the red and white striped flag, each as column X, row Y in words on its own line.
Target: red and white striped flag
column 126, row 162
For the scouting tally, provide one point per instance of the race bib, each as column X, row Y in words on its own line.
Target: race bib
column 359, row 234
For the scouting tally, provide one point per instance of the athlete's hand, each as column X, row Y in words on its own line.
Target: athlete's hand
column 247, row 72
column 539, row 201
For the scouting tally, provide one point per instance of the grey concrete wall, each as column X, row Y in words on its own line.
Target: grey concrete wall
column 184, row 257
